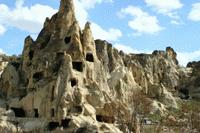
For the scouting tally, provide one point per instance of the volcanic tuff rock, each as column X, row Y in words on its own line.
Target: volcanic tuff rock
column 67, row 82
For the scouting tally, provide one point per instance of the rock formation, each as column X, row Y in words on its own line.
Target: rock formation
column 65, row 81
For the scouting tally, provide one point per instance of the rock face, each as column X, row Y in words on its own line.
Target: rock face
column 67, row 82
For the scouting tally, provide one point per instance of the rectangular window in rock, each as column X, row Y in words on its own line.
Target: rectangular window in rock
column 19, row 112
column 78, row 66
column 36, row 113
column 52, row 113
column 89, row 57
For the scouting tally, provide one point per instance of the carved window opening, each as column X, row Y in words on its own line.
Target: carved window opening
column 53, row 125
column 106, row 119
column 36, row 113
column 65, row 123
column 89, row 57
column 52, row 93
column 38, row 76
column 31, row 53
column 74, row 82
column 52, row 113
column 78, row 66
column 67, row 39
column 19, row 112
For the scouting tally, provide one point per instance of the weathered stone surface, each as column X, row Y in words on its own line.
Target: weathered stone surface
column 67, row 82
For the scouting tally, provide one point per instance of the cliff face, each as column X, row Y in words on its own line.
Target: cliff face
column 67, row 82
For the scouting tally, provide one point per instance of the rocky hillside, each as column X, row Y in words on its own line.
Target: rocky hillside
column 65, row 81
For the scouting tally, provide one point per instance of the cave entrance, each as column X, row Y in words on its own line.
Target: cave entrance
column 74, row 82
column 67, row 39
column 78, row 66
column 36, row 113
column 89, row 57
column 38, row 76
column 19, row 112
column 65, row 123
column 53, row 125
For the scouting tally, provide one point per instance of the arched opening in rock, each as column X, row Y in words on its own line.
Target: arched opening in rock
column 67, row 39
column 74, row 82
column 52, row 113
column 52, row 93
column 19, row 112
column 78, row 66
column 36, row 113
column 31, row 53
column 89, row 57
column 106, row 119
column 81, row 130
column 38, row 76
column 65, row 123
column 53, row 125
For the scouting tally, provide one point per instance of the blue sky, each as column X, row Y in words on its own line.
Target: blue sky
column 130, row 25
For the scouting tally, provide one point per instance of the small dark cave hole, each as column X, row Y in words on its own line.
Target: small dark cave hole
column 53, row 125
column 185, row 93
column 38, row 76
column 31, row 53
column 36, row 113
column 74, row 82
column 76, row 109
column 78, row 66
column 89, row 57
column 65, row 123
column 19, row 112
column 67, row 39
column 16, row 65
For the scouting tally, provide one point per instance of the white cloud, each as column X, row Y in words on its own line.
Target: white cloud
column 165, row 7
column 141, row 21
column 81, row 9
column 194, row 14
column 29, row 19
column 2, row 30
column 185, row 57
column 87, row 4
column 127, row 49
column 109, row 35
column 2, row 51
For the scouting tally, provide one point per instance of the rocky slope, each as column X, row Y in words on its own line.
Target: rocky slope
column 67, row 82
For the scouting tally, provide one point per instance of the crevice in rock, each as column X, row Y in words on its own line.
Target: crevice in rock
column 31, row 54
column 52, row 112
column 52, row 93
